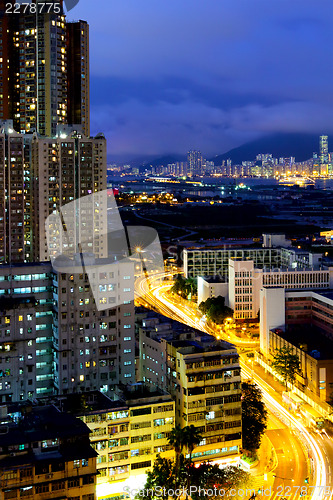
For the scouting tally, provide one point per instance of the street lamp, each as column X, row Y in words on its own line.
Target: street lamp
column 283, row 479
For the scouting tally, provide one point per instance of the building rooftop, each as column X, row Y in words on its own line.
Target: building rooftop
column 92, row 402
column 37, row 423
column 215, row 279
column 201, row 346
column 181, row 335
column 309, row 339
column 326, row 293
column 31, row 433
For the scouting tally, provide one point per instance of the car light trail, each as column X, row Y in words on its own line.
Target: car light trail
column 167, row 307
column 319, row 485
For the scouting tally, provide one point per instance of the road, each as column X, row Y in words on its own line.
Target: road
column 291, row 469
column 300, row 452
column 310, row 442
column 154, row 294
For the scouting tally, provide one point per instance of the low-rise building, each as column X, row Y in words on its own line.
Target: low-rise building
column 302, row 320
column 45, row 454
column 315, row 353
column 212, row 286
column 203, row 376
column 212, row 259
column 127, row 434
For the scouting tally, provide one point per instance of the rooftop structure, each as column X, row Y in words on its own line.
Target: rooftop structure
column 44, row 453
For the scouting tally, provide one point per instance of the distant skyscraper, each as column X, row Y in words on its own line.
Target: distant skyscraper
column 194, row 163
column 78, row 75
column 323, row 149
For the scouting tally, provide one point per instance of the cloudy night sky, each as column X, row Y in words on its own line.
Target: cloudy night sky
column 171, row 75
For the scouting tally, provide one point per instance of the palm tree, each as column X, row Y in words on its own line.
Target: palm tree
column 176, row 440
column 191, row 438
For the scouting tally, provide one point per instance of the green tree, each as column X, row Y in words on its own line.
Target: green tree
column 191, row 438
column 176, row 440
column 286, row 364
column 163, row 474
column 215, row 310
column 191, row 286
column 206, row 476
column 184, row 287
column 179, row 287
column 254, row 417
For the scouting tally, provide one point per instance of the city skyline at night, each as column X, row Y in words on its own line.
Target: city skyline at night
column 170, row 77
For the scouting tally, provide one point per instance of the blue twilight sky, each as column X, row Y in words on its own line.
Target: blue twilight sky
column 170, row 75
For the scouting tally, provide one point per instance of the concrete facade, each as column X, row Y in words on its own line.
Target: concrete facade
column 212, row 287
column 203, row 377
column 53, row 338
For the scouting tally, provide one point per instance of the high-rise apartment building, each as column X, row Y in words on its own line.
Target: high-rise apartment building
column 35, row 81
column 53, row 338
column 66, row 168
column 15, row 198
column 78, row 75
column 38, row 176
column 94, row 349
column 26, row 348
column 6, row 54
column 194, row 163
column 36, row 99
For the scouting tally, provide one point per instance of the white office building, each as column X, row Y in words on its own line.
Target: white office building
column 245, row 283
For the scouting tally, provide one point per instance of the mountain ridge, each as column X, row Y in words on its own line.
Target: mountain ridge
column 299, row 145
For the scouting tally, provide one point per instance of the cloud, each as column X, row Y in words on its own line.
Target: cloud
column 135, row 127
column 167, row 76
